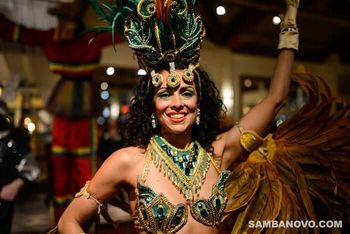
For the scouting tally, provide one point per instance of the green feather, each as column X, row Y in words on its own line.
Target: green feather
column 184, row 31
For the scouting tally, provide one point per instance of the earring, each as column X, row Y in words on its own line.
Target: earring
column 153, row 121
column 198, row 118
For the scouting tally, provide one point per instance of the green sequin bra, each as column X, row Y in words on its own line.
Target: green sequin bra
column 155, row 213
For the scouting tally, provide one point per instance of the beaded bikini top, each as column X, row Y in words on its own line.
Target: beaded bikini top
column 155, row 212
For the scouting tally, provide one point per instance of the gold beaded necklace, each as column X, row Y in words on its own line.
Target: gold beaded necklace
column 186, row 168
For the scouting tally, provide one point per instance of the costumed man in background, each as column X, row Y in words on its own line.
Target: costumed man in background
column 72, row 56
column 17, row 166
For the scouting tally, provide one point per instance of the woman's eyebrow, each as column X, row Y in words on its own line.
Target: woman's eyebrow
column 186, row 87
column 163, row 88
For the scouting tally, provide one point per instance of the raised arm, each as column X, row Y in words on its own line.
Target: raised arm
column 113, row 172
column 261, row 116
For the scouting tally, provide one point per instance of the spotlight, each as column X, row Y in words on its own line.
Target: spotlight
column 104, row 86
column 31, row 127
column 110, row 71
column 276, row 20
column 220, row 10
column 141, row 72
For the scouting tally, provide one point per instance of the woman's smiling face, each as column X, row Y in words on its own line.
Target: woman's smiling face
column 176, row 108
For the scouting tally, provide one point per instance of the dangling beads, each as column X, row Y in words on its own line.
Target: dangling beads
column 153, row 121
column 198, row 118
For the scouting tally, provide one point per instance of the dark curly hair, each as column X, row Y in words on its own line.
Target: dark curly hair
column 139, row 129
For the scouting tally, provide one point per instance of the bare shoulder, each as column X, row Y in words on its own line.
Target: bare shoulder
column 127, row 156
column 123, row 162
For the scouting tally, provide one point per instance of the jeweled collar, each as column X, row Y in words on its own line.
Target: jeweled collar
column 186, row 168
column 185, row 159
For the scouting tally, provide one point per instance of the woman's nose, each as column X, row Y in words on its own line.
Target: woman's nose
column 177, row 101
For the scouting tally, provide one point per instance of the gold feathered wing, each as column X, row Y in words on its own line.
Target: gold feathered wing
column 301, row 172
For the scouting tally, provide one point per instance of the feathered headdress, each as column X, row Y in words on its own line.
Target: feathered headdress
column 161, row 32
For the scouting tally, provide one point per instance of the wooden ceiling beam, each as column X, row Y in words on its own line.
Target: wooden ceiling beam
column 276, row 9
column 214, row 28
column 248, row 39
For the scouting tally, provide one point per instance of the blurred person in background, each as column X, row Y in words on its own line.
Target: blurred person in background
column 17, row 166
column 111, row 139
column 75, row 59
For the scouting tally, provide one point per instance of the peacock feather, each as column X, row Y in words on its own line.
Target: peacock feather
column 159, row 31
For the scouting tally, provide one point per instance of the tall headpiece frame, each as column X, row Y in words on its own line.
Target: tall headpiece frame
column 161, row 33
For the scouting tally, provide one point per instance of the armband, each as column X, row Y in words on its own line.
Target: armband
column 84, row 193
column 249, row 140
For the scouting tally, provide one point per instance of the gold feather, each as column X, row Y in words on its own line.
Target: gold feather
column 299, row 173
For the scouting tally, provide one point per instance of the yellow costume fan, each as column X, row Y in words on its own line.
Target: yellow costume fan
column 301, row 172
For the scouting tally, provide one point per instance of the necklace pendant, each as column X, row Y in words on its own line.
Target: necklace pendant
column 186, row 169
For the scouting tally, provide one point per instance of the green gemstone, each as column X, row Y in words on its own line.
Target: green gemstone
column 160, row 211
column 217, row 203
column 204, row 213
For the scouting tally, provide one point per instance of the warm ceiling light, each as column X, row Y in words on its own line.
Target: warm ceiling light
column 115, row 110
column 220, row 10
column 141, row 72
column 248, row 83
column 27, row 121
column 104, row 86
column 110, row 71
column 31, row 127
column 276, row 20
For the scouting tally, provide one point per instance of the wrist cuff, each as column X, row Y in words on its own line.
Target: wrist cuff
column 289, row 39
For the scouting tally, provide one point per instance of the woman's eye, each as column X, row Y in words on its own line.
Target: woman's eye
column 188, row 94
column 163, row 95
